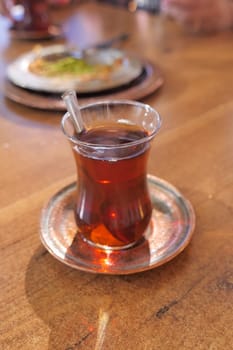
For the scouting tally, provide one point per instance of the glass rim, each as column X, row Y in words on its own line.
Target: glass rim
column 147, row 138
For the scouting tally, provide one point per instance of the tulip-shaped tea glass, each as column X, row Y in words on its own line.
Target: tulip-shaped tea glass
column 27, row 15
column 113, row 206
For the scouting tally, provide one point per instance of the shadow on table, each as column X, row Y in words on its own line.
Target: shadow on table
column 30, row 117
column 83, row 309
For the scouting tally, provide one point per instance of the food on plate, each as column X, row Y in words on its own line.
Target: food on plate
column 56, row 68
column 65, row 65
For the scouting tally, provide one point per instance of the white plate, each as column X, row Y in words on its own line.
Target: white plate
column 18, row 72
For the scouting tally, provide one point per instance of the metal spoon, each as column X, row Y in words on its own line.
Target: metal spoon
column 80, row 53
column 102, row 45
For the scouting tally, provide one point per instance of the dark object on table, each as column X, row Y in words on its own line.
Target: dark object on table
column 147, row 5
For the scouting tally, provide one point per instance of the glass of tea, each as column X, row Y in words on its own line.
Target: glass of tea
column 113, row 206
column 27, row 15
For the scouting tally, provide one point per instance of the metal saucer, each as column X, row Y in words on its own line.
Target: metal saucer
column 170, row 230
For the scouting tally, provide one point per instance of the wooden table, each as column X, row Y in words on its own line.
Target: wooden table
column 184, row 304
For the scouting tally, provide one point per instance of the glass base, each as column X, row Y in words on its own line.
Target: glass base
column 169, row 232
column 106, row 247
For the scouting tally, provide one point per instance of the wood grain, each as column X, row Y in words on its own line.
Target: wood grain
column 184, row 304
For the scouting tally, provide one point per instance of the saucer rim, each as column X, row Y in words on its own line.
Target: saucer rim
column 54, row 31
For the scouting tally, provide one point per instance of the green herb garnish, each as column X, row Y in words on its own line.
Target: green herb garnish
column 67, row 65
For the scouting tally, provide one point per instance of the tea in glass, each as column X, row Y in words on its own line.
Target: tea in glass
column 113, row 205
